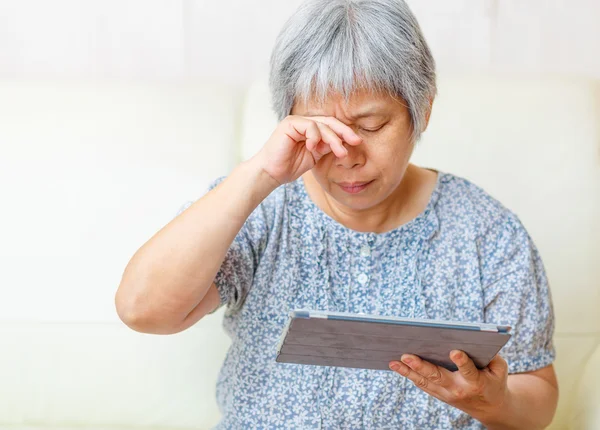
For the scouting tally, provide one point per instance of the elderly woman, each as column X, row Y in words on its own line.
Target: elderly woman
column 331, row 215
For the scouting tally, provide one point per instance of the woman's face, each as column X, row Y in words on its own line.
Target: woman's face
column 371, row 171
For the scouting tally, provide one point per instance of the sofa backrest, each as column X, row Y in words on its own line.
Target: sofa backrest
column 89, row 172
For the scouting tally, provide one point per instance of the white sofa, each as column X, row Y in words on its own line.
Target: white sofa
column 90, row 171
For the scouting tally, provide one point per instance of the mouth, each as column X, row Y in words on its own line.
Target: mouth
column 353, row 187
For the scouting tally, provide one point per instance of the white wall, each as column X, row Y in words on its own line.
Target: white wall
column 172, row 39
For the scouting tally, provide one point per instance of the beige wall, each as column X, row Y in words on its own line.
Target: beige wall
column 171, row 39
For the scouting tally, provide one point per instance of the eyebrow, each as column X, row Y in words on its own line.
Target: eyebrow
column 374, row 111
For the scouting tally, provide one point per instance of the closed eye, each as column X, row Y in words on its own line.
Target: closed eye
column 372, row 130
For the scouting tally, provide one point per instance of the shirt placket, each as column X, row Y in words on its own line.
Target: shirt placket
column 361, row 275
column 360, row 270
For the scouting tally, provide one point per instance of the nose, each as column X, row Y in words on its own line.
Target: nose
column 355, row 158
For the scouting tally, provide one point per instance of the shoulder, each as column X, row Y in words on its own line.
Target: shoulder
column 501, row 242
column 470, row 209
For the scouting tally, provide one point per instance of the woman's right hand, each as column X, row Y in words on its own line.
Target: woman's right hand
column 298, row 143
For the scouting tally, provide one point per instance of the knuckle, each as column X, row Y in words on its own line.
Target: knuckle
column 421, row 382
column 287, row 123
column 436, row 376
column 458, row 393
column 470, row 371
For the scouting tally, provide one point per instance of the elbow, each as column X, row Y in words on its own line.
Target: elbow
column 130, row 311
column 140, row 317
column 554, row 402
column 132, row 317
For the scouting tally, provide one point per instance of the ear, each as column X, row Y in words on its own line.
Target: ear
column 428, row 115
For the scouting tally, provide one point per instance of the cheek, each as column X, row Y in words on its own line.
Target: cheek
column 389, row 152
column 322, row 168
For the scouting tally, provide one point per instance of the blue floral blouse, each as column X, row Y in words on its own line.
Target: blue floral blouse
column 464, row 258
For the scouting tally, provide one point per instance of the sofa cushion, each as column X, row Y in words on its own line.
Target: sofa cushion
column 108, row 376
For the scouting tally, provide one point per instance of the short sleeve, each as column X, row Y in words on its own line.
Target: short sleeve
column 517, row 294
column 236, row 274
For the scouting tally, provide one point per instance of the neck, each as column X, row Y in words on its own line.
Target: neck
column 405, row 203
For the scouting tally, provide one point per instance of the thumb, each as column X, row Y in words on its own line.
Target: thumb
column 498, row 366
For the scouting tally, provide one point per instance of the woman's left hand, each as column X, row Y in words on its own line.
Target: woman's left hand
column 480, row 393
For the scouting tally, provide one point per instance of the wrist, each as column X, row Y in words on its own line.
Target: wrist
column 255, row 165
column 498, row 417
column 260, row 182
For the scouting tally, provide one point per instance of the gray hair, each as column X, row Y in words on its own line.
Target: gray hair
column 345, row 45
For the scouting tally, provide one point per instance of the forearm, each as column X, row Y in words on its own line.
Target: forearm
column 530, row 404
column 171, row 273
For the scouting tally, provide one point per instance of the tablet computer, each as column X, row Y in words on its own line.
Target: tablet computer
column 370, row 342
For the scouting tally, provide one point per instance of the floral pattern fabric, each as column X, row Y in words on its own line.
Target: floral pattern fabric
column 464, row 258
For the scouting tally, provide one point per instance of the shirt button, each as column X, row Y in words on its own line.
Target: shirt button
column 365, row 251
column 363, row 278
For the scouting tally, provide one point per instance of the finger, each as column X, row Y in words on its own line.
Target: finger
column 313, row 136
column 498, row 366
column 434, row 374
column 419, row 380
column 466, row 367
column 333, row 140
column 342, row 130
column 317, row 136
column 299, row 129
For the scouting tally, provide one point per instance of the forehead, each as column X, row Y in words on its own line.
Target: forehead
column 360, row 104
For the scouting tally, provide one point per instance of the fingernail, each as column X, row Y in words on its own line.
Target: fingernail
column 407, row 360
column 395, row 366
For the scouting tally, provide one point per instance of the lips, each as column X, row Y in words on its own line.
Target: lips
column 353, row 187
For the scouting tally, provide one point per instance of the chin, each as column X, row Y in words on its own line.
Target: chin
column 357, row 202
